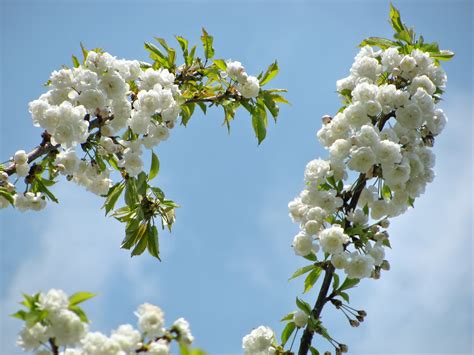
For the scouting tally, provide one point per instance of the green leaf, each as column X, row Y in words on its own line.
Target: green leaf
column 442, row 55
column 131, row 197
column 207, row 42
column 335, row 283
column 112, row 197
column 85, row 52
column 395, row 19
column 42, row 188
column 21, row 314
column 80, row 313
column 221, row 64
column 80, row 297
column 153, row 243
column 140, row 246
column 286, row 333
column 305, row 307
column 311, row 279
column 348, row 283
column 270, row 104
column 382, row 43
column 155, row 166
column 345, row 296
column 7, row 195
column 75, row 61
column 311, row 257
column 288, row 317
column 259, row 121
column 314, row 351
column 301, row 271
column 271, row 72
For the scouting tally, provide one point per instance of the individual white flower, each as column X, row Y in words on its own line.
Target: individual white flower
column 113, row 85
column 364, row 92
column 67, row 327
column 357, row 217
column 340, row 149
column 67, row 161
column 148, row 102
column 236, row 71
column 156, row 134
column 300, row 318
column 366, row 67
column 53, row 301
column 258, row 342
column 407, row 64
column 388, row 152
column 150, row 320
column 437, row 122
column 184, row 330
column 20, row 157
column 377, row 252
column 356, row 114
column 339, row 260
column 386, row 95
column 367, row 136
column 332, row 239
column 30, row 338
column 92, row 100
column 424, row 82
column 378, row 209
column 150, row 77
column 37, row 108
column 347, row 83
column 127, row 337
column 302, row 244
column 22, row 170
column 409, row 116
column 84, row 79
column 159, row 347
column 362, row 159
column 390, row 58
column 131, row 162
column 62, row 79
column 312, row 227
column 250, row 88
column 139, row 122
column 396, row 174
column 317, row 171
column 359, row 266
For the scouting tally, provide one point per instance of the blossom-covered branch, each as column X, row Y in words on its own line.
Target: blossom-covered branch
column 381, row 139
column 55, row 324
column 99, row 117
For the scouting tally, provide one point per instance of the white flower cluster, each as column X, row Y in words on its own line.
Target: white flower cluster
column 66, row 329
column 248, row 85
column 260, row 341
column 384, row 133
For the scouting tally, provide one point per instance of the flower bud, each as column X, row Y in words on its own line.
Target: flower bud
column 326, row 119
column 354, row 323
column 10, row 187
column 300, row 318
column 360, row 318
column 20, row 157
column 374, row 229
column 385, row 265
column 362, row 313
column 375, row 274
column 343, row 348
column 327, row 353
column 3, row 176
column 385, row 223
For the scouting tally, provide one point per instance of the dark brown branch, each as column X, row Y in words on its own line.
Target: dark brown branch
column 307, row 336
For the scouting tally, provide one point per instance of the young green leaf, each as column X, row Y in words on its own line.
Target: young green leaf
column 80, row 297
column 155, row 166
column 348, row 283
column 311, row 279
column 207, row 42
column 153, row 242
column 271, row 72
column 112, row 197
column 304, row 306
column 286, row 333
column 301, row 271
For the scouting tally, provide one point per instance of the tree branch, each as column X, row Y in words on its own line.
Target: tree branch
column 307, row 336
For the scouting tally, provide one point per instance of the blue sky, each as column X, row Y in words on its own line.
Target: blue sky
column 226, row 264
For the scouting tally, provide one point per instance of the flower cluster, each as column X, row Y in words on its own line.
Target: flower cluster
column 248, row 86
column 260, row 341
column 384, row 133
column 60, row 323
